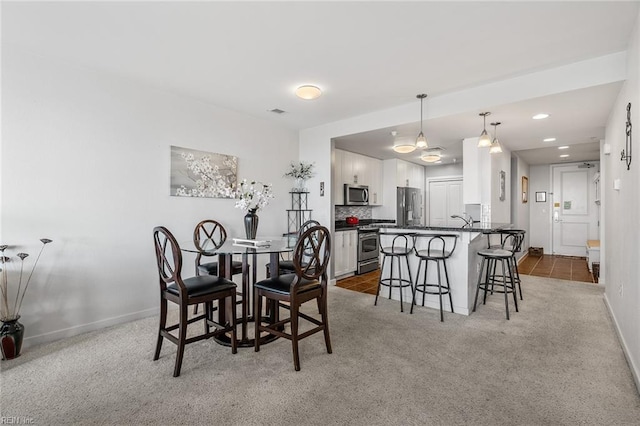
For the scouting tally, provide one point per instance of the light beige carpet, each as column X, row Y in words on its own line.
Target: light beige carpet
column 557, row 361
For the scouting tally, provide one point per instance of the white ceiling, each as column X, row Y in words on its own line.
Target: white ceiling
column 366, row 56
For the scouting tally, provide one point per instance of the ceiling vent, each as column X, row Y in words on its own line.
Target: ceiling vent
column 277, row 111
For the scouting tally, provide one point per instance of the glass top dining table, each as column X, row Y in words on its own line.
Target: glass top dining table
column 274, row 247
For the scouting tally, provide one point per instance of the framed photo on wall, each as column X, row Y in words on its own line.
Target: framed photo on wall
column 525, row 189
column 502, row 185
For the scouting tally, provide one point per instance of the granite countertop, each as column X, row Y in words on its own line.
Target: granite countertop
column 477, row 227
column 341, row 225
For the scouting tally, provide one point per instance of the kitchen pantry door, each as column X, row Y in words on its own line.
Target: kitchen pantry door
column 445, row 199
column 575, row 215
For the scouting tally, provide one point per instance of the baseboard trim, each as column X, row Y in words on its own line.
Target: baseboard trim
column 635, row 372
column 85, row 328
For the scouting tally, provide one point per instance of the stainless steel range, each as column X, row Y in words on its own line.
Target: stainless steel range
column 367, row 250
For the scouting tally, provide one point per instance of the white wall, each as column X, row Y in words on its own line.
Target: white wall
column 621, row 213
column 85, row 162
column 445, row 170
column 540, row 213
column 500, row 210
column 520, row 215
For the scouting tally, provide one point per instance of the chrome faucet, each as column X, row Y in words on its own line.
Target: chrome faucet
column 467, row 222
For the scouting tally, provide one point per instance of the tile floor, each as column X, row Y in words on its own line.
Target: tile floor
column 560, row 267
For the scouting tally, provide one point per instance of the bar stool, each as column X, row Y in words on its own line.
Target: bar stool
column 490, row 257
column 401, row 246
column 439, row 248
column 511, row 240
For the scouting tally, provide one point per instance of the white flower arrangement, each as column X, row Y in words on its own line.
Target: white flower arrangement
column 302, row 170
column 253, row 195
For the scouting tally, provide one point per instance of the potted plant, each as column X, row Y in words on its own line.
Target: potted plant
column 11, row 330
column 301, row 172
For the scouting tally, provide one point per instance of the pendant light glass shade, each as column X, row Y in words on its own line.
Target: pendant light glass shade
column 495, row 145
column 421, row 140
column 485, row 140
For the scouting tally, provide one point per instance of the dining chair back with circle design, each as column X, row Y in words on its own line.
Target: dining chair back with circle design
column 211, row 234
column 309, row 282
column 286, row 266
column 204, row 289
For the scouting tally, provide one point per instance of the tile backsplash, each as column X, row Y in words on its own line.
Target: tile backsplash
column 361, row 212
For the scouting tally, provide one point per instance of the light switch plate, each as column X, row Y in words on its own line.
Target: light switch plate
column 616, row 184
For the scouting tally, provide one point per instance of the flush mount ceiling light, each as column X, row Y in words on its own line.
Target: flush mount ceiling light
column 540, row 116
column 549, row 140
column 485, row 139
column 430, row 156
column 564, row 155
column 308, row 92
column 402, row 146
column 421, row 140
column 564, row 147
column 495, row 145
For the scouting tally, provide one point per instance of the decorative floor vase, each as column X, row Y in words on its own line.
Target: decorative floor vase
column 11, row 334
column 251, row 224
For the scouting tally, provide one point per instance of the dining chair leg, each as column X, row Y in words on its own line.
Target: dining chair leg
column 162, row 326
column 207, row 314
column 182, row 337
column 325, row 321
column 294, row 335
column 234, row 322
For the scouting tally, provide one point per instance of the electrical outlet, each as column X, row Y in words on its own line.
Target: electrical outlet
column 477, row 268
column 620, row 289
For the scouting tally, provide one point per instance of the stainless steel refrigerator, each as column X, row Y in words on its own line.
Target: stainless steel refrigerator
column 410, row 206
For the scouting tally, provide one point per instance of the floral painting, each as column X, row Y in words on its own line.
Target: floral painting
column 202, row 174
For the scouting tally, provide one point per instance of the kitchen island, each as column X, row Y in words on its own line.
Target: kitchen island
column 463, row 265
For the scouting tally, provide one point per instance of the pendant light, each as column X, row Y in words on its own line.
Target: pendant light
column 485, row 139
column 495, row 145
column 421, row 140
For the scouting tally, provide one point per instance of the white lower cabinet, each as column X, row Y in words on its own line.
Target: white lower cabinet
column 345, row 252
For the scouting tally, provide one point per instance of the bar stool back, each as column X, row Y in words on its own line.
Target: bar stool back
column 440, row 247
column 512, row 240
column 400, row 247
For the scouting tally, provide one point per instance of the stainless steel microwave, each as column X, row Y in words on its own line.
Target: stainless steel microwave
column 356, row 195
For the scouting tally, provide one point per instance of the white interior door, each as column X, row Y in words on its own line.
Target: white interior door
column 445, row 199
column 575, row 217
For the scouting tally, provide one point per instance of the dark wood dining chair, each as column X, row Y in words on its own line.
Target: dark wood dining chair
column 213, row 231
column 286, row 266
column 309, row 282
column 189, row 291
column 213, row 234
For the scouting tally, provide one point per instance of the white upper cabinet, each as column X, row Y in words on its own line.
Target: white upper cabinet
column 409, row 174
column 356, row 169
